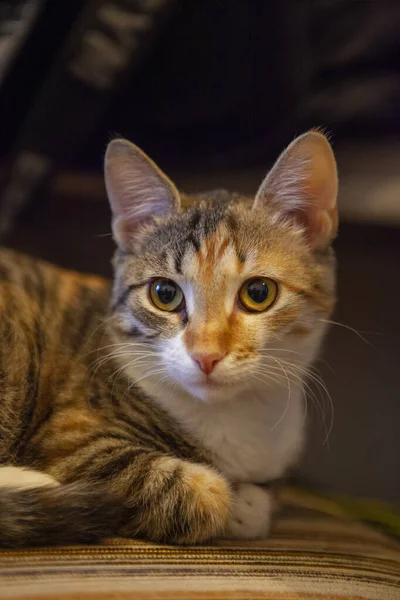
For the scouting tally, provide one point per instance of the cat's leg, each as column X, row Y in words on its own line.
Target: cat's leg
column 252, row 511
column 167, row 498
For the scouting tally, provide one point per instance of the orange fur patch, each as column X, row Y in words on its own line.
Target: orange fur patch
column 77, row 420
column 210, row 490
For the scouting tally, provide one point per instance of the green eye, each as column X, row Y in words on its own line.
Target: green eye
column 258, row 294
column 166, row 295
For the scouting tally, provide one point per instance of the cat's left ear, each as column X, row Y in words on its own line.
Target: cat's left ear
column 303, row 185
column 137, row 190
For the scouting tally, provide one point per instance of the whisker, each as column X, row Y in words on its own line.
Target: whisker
column 272, row 377
column 286, row 408
column 98, row 363
column 147, row 374
column 357, row 333
column 120, row 344
column 301, row 373
column 124, row 367
column 266, row 352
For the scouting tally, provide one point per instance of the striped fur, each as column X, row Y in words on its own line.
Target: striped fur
column 99, row 392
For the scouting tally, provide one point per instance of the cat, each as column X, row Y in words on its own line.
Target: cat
column 161, row 406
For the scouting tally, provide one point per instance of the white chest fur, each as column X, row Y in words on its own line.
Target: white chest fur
column 252, row 438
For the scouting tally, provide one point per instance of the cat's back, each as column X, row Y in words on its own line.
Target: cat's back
column 36, row 285
column 46, row 307
column 47, row 319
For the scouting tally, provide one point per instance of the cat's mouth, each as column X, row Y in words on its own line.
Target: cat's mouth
column 209, row 383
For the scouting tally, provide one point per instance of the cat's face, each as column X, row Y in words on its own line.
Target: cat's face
column 223, row 297
column 219, row 298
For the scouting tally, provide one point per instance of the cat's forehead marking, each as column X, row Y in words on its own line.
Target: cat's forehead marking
column 216, row 258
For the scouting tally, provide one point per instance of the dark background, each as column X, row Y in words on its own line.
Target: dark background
column 213, row 90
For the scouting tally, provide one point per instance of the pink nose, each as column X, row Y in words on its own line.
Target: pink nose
column 207, row 361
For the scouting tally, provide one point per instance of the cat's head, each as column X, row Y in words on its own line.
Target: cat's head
column 232, row 291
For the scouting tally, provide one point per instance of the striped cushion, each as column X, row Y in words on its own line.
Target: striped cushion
column 314, row 553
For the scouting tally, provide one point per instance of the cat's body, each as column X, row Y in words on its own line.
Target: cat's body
column 156, row 422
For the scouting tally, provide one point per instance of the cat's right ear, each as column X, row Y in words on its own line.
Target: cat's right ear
column 137, row 190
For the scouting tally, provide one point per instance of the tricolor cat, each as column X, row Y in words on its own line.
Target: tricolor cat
column 160, row 406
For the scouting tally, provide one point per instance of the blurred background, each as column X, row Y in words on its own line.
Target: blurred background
column 213, row 91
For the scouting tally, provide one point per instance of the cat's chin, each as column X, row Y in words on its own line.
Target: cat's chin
column 212, row 391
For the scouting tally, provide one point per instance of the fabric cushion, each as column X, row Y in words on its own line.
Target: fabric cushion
column 316, row 552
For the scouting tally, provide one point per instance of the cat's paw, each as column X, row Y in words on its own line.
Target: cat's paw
column 208, row 501
column 181, row 503
column 252, row 510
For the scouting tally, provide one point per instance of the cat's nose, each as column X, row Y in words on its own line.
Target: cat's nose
column 207, row 361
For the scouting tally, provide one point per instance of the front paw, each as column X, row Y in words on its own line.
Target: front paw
column 251, row 512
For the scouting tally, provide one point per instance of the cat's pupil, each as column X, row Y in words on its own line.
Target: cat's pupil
column 166, row 291
column 258, row 291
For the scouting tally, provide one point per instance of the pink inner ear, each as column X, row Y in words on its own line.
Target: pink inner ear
column 319, row 213
column 320, row 225
column 124, row 226
column 304, row 186
column 137, row 189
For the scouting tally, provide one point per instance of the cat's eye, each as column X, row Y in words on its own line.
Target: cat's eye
column 166, row 295
column 258, row 294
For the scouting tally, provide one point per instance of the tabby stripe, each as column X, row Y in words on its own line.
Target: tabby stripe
column 178, row 261
column 41, row 288
column 87, row 443
column 4, row 273
column 92, row 456
column 178, row 525
column 33, row 284
column 232, row 222
column 133, row 332
column 93, row 309
column 38, row 429
column 168, row 484
column 30, row 403
column 191, row 239
column 185, row 449
column 141, row 433
column 86, row 314
column 115, row 465
column 125, row 295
